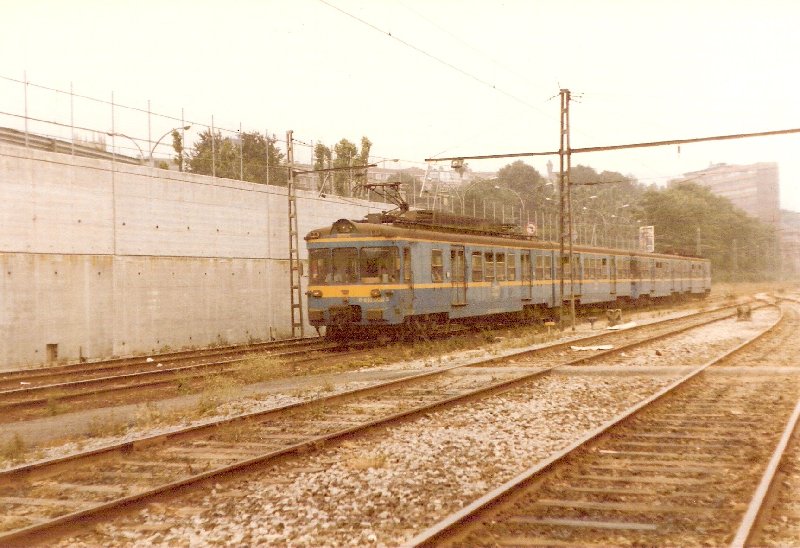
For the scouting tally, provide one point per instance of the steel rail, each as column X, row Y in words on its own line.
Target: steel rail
column 754, row 509
column 150, row 380
column 166, row 357
column 439, row 531
column 28, row 472
column 158, row 381
column 160, row 372
column 388, row 384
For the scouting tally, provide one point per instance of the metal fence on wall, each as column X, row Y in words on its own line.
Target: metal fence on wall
column 65, row 121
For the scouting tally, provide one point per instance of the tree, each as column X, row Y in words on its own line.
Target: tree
column 685, row 215
column 322, row 160
column 347, row 155
column 251, row 157
column 520, row 177
column 360, row 176
column 177, row 145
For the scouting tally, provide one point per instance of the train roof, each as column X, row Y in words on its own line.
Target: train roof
column 433, row 226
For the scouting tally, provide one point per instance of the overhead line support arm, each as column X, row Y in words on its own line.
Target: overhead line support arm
column 621, row 147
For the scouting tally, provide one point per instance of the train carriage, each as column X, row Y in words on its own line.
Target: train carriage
column 424, row 267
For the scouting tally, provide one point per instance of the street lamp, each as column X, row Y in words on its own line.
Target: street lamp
column 114, row 134
column 141, row 152
column 521, row 202
column 184, row 128
column 602, row 217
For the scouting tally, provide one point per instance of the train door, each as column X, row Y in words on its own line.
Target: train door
column 612, row 274
column 652, row 265
column 527, row 275
column 672, row 267
column 458, row 279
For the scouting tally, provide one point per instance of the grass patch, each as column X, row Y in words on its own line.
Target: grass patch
column 105, row 426
column 214, row 391
column 14, row 449
column 365, row 462
column 256, row 368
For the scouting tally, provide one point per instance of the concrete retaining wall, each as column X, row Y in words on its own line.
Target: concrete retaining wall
column 108, row 259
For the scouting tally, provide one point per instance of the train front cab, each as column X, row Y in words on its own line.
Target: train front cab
column 356, row 284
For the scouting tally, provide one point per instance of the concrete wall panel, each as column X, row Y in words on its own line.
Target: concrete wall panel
column 105, row 259
column 53, row 207
column 64, row 300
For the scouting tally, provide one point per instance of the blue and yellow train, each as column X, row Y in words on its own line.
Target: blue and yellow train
column 422, row 268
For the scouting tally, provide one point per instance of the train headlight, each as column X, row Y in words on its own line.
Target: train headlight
column 375, row 293
column 316, row 293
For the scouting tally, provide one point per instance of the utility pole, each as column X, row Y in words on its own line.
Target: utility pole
column 565, row 208
column 294, row 247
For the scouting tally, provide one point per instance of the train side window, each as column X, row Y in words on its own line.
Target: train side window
column 437, row 266
column 512, row 267
column 378, row 265
column 488, row 259
column 407, row 264
column 500, row 266
column 477, row 266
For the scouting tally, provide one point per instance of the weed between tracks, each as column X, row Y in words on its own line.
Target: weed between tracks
column 366, row 462
column 14, row 449
column 218, row 388
column 100, row 427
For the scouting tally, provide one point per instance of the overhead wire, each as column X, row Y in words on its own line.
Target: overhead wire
column 460, row 40
column 434, row 57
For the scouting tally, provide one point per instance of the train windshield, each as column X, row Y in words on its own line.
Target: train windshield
column 319, row 266
column 347, row 265
column 380, row 265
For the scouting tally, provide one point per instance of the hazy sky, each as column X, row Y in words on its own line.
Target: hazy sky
column 454, row 77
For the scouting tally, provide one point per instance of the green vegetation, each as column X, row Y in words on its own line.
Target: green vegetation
column 257, row 160
column 347, row 155
column 689, row 216
column 609, row 207
column 14, row 449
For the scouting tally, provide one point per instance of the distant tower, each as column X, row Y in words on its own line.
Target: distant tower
column 550, row 175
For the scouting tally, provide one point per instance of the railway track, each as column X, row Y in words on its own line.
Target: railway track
column 687, row 466
column 81, row 371
column 46, row 498
column 41, row 392
column 85, row 388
